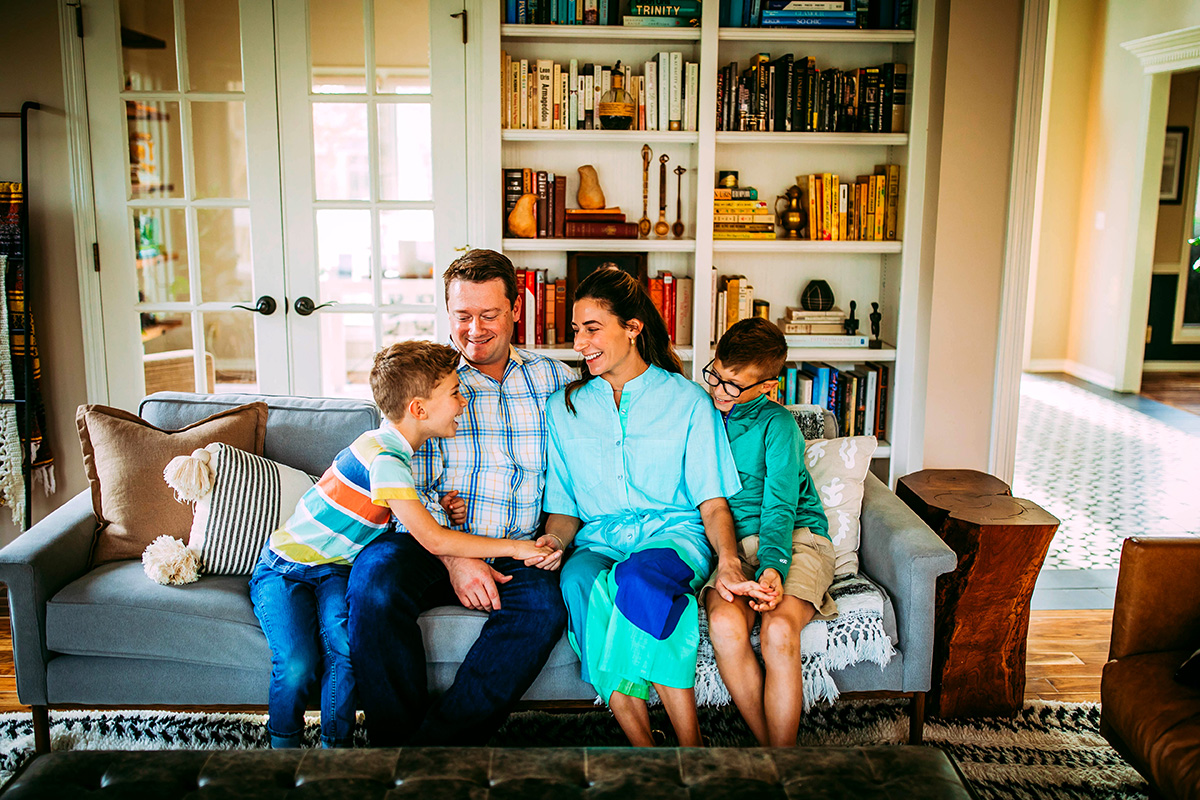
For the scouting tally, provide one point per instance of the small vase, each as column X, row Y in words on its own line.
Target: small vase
column 522, row 220
column 590, row 194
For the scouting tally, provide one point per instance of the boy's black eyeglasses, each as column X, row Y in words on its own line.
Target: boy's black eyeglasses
column 731, row 389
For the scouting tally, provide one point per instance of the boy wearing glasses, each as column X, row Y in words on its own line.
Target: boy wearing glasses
column 783, row 536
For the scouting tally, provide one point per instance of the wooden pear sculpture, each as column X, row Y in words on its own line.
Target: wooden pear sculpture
column 522, row 220
column 590, row 194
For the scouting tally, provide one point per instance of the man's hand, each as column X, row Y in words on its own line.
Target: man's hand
column 474, row 582
column 554, row 560
column 772, row 583
column 455, row 507
column 731, row 581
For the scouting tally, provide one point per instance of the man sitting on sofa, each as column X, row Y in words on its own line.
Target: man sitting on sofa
column 497, row 464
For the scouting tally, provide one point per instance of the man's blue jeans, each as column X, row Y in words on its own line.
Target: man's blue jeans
column 393, row 580
column 304, row 616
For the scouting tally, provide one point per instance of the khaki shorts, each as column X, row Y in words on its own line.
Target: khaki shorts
column 809, row 575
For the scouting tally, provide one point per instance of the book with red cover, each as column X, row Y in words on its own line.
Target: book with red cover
column 539, row 295
column 602, row 230
column 519, row 333
column 614, row 214
column 560, row 310
column 560, row 206
column 668, row 305
column 543, row 208
column 529, row 309
column 548, row 303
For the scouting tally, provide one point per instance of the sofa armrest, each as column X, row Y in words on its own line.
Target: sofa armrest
column 899, row 551
column 1156, row 607
column 35, row 566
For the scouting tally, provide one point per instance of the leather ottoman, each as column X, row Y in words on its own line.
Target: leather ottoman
column 912, row 773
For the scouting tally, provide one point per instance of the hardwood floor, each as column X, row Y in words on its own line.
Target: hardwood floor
column 1178, row 389
column 1066, row 652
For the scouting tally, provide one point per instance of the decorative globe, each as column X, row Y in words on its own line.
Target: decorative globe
column 817, row 296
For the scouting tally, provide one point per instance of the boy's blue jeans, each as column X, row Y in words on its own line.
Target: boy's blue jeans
column 304, row 616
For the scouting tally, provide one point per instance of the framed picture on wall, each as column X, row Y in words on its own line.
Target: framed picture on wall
column 1170, row 186
column 582, row 264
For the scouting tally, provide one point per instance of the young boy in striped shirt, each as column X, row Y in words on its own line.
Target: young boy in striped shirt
column 299, row 584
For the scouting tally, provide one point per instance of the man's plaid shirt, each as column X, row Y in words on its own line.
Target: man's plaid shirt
column 497, row 461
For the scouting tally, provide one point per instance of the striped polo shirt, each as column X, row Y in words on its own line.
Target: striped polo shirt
column 345, row 510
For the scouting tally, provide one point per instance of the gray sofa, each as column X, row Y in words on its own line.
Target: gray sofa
column 109, row 636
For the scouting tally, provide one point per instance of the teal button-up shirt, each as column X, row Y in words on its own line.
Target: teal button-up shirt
column 628, row 473
column 777, row 493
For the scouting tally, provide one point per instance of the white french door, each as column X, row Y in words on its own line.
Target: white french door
column 271, row 202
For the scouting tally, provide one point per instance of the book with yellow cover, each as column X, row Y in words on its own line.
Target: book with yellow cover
column 880, row 205
column 728, row 235
column 812, row 208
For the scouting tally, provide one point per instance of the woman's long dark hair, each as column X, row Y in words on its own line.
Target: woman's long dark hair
column 627, row 300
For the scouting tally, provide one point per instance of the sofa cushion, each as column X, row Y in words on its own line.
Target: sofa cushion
column 838, row 468
column 124, row 457
column 1156, row 718
column 302, row 432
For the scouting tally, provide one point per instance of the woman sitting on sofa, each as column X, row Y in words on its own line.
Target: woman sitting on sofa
column 639, row 469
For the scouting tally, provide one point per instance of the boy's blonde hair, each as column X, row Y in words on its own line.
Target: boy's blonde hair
column 406, row 370
column 753, row 342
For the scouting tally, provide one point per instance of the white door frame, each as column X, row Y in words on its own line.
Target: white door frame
column 1159, row 56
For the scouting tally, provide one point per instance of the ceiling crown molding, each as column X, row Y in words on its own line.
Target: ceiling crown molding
column 1167, row 52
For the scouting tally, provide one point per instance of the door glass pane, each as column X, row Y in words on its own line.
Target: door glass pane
column 402, row 46
column 214, row 45
column 344, row 256
column 160, row 243
column 406, row 253
column 1191, row 286
column 223, row 245
column 168, row 361
column 405, row 160
column 340, row 148
column 229, row 341
column 338, row 46
column 148, row 45
column 219, row 145
column 155, row 149
column 399, row 327
column 347, row 352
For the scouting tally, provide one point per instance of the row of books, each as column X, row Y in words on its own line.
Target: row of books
column 546, row 95
column 790, row 94
column 554, row 219
column 873, row 14
column 742, row 218
column 858, row 397
column 562, row 12
column 672, row 296
column 864, row 211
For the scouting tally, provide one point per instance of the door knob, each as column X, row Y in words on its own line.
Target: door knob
column 266, row 306
column 305, row 306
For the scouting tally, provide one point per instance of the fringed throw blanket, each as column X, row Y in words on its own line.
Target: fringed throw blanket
column 21, row 343
column 12, row 481
column 855, row 635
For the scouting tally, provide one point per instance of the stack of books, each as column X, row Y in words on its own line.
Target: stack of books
column 672, row 296
column 858, row 397
column 562, row 12
column 665, row 14
column 790, row 93
column 876, row 14
column 542, row 94
column 599, row 223
column 733, row 301
column 800, row 321
column 864, row 211
column 739, row 214
column 544, row 320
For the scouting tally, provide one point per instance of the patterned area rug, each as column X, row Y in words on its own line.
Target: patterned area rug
column 1050, row 751
column 1105, row 470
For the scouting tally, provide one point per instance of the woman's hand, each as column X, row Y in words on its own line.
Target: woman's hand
column 455, row 507
column 552, row 561
column 532, row 553
column 771, row 583
column 730, row 581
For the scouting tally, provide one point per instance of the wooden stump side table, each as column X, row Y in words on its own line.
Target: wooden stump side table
column 982, row 619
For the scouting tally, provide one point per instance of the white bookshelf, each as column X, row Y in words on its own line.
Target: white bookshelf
column 884, row 272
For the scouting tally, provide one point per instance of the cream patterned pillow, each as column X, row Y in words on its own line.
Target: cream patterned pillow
column 838, row 468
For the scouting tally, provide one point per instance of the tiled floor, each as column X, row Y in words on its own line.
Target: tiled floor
column 1109, row 466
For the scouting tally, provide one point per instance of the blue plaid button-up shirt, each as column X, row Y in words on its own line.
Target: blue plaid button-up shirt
column 497, row 461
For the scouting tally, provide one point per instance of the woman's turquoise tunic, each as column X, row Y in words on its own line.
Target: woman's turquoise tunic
column 635, row 477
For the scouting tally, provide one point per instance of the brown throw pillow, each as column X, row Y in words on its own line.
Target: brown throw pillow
column 124, row 457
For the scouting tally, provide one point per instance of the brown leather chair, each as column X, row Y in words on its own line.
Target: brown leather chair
column 1152, row 720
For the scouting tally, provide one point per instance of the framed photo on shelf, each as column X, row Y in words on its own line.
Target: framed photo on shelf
column 1170, row 186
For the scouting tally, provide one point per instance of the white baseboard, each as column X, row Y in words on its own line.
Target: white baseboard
column 1104, row 380
column 1171, row 366
column 1047, row 365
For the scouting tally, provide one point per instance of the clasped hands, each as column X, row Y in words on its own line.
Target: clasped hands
column 763, row 594
column 544, row 553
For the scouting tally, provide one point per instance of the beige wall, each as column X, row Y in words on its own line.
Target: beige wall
column 1074, row 53
column 977, row 135
column 33, row 71
column 1170, row 233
